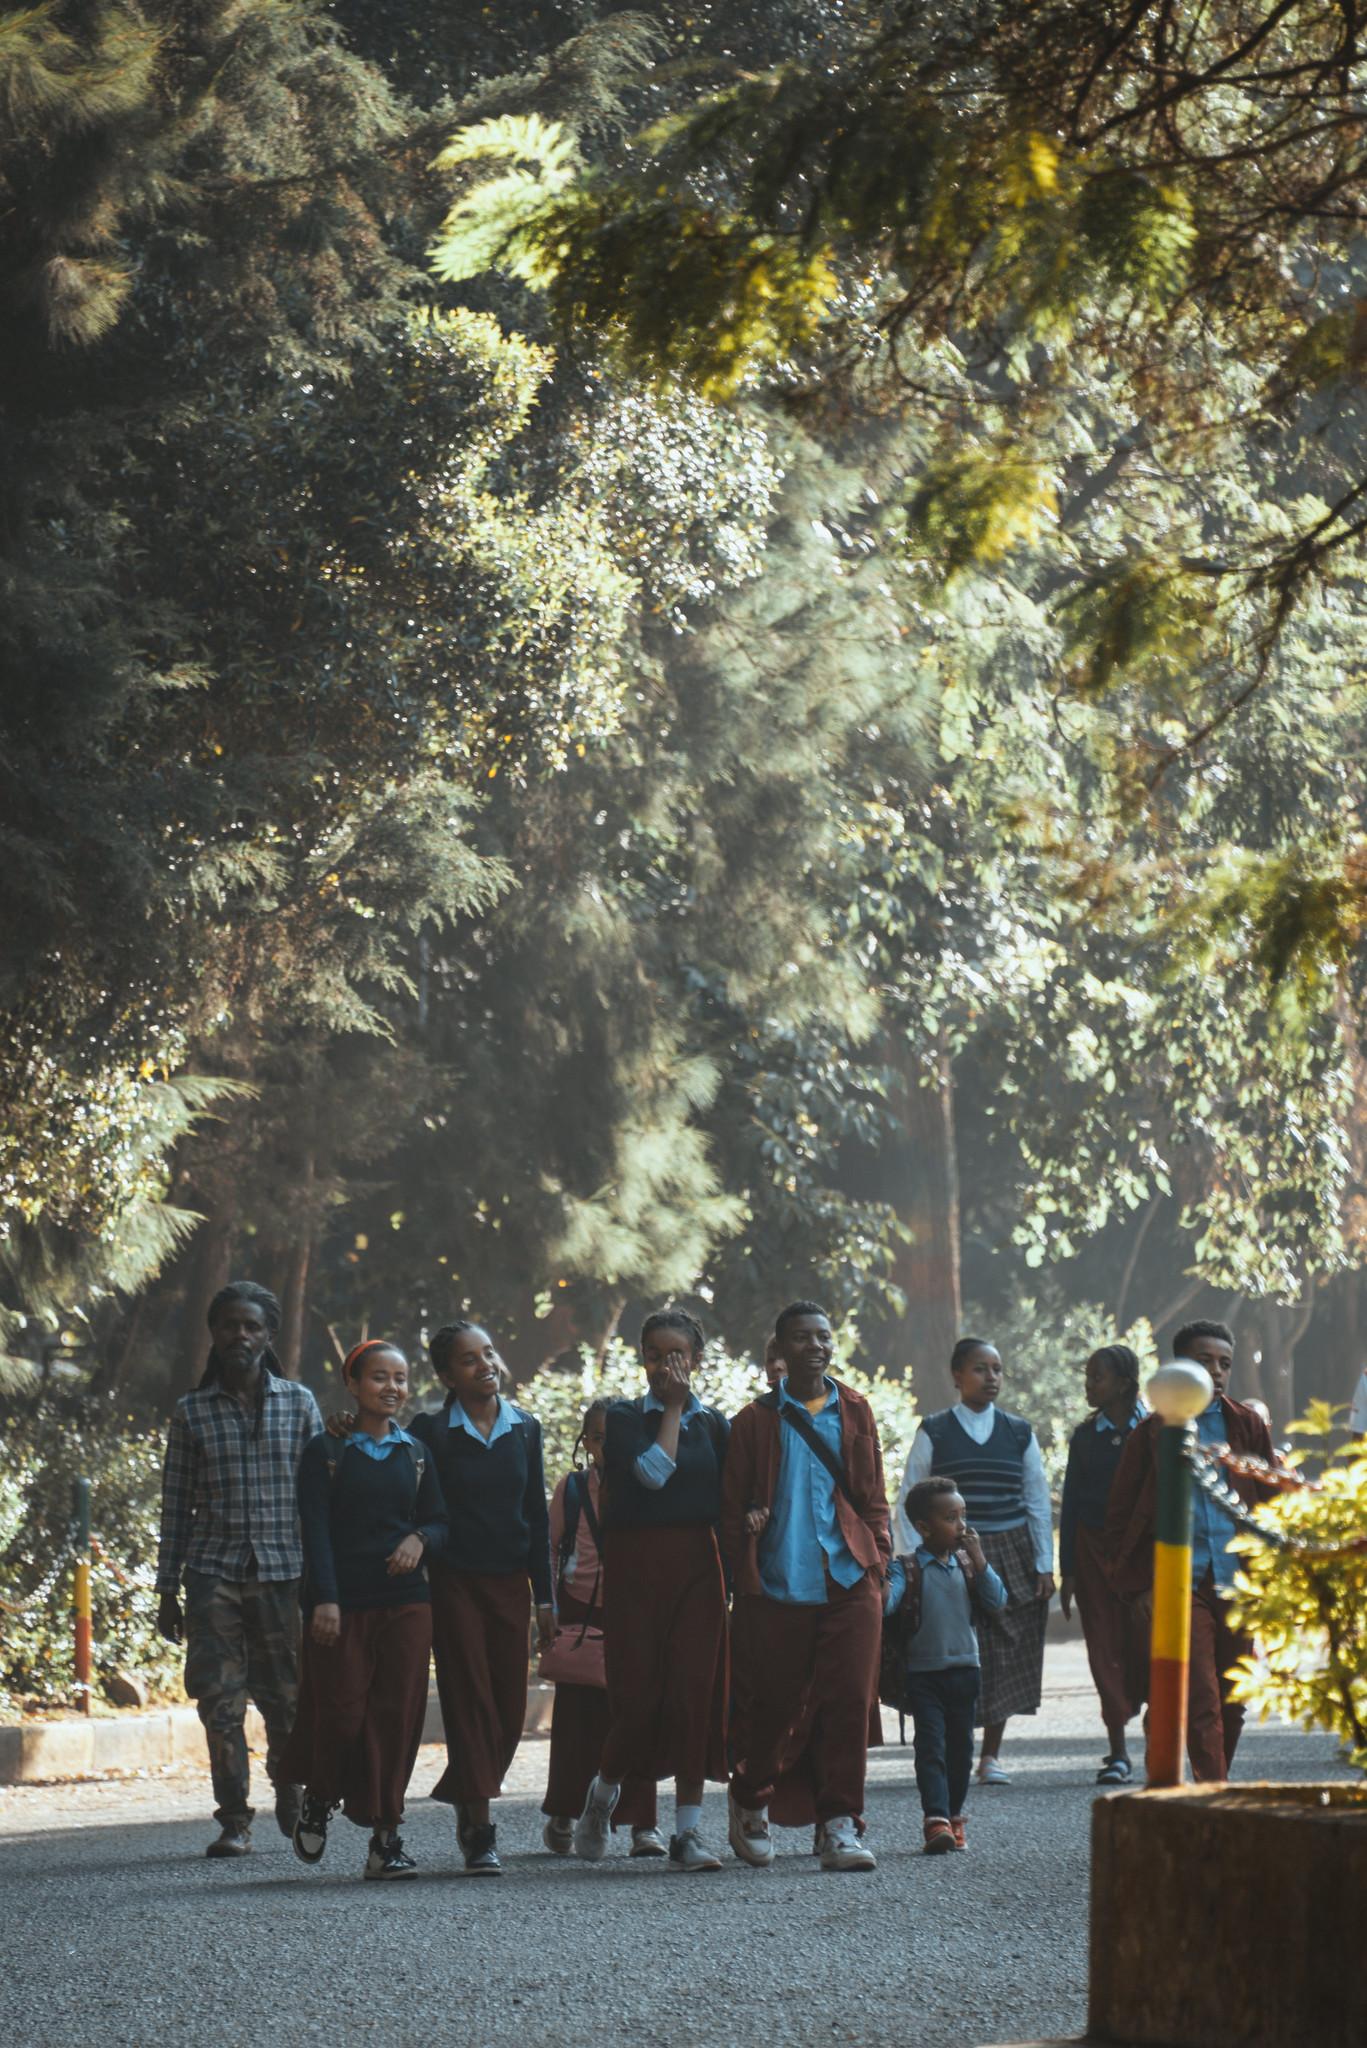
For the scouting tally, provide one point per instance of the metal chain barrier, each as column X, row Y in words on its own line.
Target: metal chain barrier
column 66, row 1554
column 1206, row 1470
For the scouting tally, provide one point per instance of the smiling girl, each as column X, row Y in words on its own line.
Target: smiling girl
column 497, row 1556
column 371, row 1510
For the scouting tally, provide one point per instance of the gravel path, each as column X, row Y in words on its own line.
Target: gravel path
column 117, row 1929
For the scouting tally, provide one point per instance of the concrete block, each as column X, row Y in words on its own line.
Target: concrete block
column 140, row 1742
column 56, row 1749
column 1229, row 1916
column 185, row 1737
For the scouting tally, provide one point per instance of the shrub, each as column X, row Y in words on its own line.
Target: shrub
column 44, row 1446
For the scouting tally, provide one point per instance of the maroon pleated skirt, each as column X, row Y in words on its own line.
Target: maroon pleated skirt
column 480, row 1637
column 362, row 1703
column 666, row 1653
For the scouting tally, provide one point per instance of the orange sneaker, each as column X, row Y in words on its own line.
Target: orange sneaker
column 939, row 1836
column 959, row 1829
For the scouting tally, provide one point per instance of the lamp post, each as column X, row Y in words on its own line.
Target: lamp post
column 80, row 1506
column 1177, row 1394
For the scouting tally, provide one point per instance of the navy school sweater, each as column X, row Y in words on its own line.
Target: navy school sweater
column 691, row 1494
column 353, row 1520
column 495, row 1497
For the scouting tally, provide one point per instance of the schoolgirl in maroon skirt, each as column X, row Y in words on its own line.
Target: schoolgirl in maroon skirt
column 579, row 1719
column 496, row 1559
column 1116, row 1650
column 370, row 1509
column 665, row 1608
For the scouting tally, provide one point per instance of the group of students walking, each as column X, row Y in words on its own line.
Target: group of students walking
column 718, row 1600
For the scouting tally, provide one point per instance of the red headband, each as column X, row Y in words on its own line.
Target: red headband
column 360, row 1350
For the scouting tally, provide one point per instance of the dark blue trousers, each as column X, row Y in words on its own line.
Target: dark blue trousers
column 941, row 1705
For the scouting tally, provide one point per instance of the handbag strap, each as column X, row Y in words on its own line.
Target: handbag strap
column 797, row 1418
column 578, row 1491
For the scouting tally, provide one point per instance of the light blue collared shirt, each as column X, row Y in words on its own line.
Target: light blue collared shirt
column 456, row 1418
column 802, row 1539
column 1138, row 1415
column 1211, row 1525
column 947, row 1638
column 378, row 1447
column 654, row 1468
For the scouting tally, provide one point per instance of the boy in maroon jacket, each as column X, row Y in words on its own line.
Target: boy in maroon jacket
column 1214, row 1720
column 804, row 1523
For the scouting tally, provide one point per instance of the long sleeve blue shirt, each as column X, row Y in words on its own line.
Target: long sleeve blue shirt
column 947, row 1639
column 802, row 1540
column 1211, row 1525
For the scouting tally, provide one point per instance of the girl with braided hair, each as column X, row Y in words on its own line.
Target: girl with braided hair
column 665, row 1608
column 1116, row 1650
column 496, row 1559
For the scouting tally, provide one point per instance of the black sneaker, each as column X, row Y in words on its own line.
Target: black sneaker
column 481, row 1857
column 235, row 1840
column 288, row 1800
column 311, row 1828
column 389, row 1858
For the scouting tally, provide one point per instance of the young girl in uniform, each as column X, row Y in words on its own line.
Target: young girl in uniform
column 1116, row 1650
column 579, row 1719
column 370, row 1509
column 665, row 1611
column 487, row 1454
column 994, row 1460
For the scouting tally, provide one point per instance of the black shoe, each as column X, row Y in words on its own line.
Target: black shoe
column 311, row 1828
column 388, row 1858
column 235, row 1840
column 481, row 1857
column 288, row 1800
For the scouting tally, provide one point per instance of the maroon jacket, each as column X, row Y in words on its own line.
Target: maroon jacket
column 1130, row 1510
column 752, row 1460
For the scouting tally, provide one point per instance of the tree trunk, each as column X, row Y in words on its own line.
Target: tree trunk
column 289, row 1345
column 926, row 1267
column 212, row 1255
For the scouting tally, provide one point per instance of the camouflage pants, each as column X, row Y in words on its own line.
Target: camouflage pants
column 241, row 1643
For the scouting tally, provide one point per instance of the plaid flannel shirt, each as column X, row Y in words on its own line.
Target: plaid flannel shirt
column 228, row 1484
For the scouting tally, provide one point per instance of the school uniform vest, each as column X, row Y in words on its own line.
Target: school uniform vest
column 990, row 1476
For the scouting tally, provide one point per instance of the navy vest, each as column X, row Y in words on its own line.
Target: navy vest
column 990, row 1476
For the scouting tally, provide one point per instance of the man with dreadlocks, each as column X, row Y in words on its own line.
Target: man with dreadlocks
column 230, row 1531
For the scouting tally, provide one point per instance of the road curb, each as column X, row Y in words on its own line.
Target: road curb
column 50, row 1752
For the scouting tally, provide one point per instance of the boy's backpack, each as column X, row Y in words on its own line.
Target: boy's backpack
column 902, row 1624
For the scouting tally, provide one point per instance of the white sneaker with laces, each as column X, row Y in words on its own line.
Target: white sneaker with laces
column 990, row 1772
column 647, row 1842
column 593, row 1829
column 690, row 1852
column 842, row 1847
column 747, row 1830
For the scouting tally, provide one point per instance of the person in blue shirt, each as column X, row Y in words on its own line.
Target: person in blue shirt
column 1116, row 1649
column 664, row 1638
column 936, row 1594
column 371, row 1511
column 805, row 1527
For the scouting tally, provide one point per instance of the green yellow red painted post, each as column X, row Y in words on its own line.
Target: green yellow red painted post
column 1177, row 1394
column 80, row 1511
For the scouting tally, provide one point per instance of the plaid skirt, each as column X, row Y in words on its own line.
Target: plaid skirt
column 1011, row 1641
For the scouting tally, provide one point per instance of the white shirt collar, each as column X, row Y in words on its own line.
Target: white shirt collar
column 979, row 1423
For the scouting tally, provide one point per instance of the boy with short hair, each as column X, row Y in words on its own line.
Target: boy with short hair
column 930, row 1603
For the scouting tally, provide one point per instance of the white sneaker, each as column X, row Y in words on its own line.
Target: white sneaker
column 747, row 1830
column 842, row 1847
column 558, row 1836
column 593, row 1829
column 990, row 1772
column 690, row 1852
column 647, row 1842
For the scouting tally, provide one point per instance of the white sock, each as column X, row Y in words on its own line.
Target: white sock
column 603, row 1795
column 686, row 1817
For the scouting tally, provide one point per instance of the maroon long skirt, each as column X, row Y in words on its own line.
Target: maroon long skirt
column 664, row 1643
column 480, row 1623
column 1116, row 1648
column 579, row 1727
column 362, row 1702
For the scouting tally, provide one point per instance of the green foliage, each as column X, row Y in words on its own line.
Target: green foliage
column 1307, row 1614
column 46, row 1446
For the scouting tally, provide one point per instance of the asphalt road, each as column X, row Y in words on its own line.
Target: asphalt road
column 118, row 1930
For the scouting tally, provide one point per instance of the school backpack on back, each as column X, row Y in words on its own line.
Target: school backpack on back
column 901, row 1625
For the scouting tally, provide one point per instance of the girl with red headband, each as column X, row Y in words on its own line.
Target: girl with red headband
column 370, row 1509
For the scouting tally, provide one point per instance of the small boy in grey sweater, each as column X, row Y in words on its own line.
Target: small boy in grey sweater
column 932, row 1601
